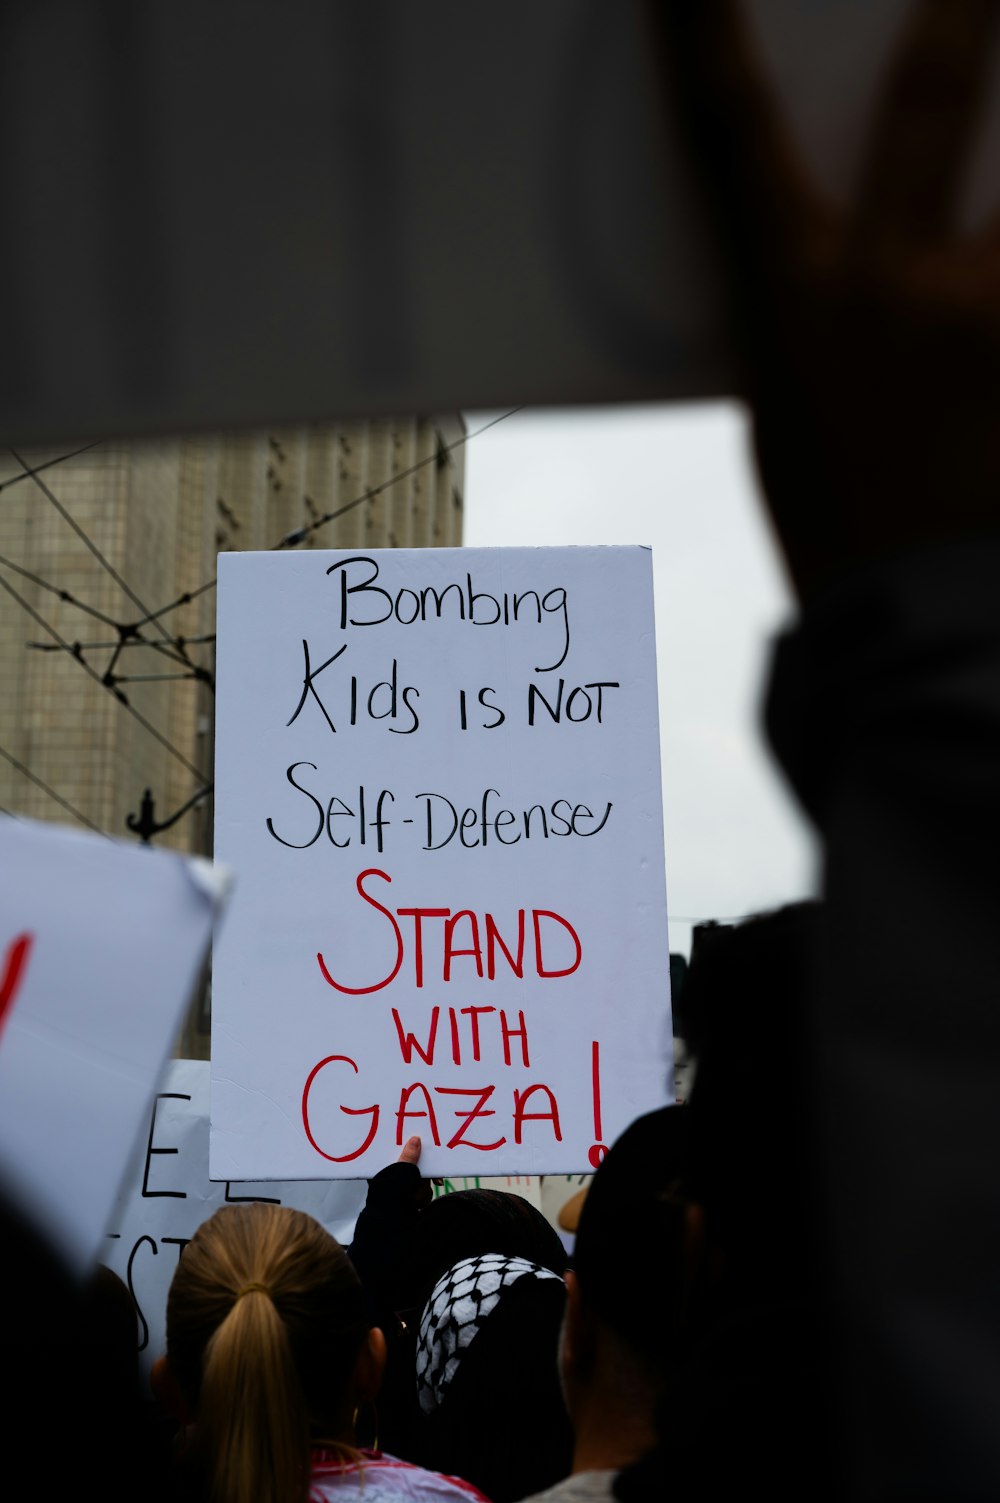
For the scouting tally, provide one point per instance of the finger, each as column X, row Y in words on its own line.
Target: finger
column 754, row 173
column 411, row 1151
column 925, row 120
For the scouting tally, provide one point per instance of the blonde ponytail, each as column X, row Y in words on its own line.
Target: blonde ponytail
column 265, row 1320
column 251, row 1412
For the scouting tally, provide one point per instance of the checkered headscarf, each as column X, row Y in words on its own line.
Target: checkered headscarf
column 461, row 1303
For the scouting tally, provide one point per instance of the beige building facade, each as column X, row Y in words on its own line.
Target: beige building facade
column 107, row 561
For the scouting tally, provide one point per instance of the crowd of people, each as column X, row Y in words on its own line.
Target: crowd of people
column 796, row 1288
column 451, row 1351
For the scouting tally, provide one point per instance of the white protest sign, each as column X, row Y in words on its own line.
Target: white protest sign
column 438, row 781
column 100, row 947
column 168, row 1194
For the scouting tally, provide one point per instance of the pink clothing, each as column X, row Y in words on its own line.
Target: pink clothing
column 378, row 1478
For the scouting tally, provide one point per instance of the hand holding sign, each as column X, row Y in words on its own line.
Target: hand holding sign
column 411, row 1152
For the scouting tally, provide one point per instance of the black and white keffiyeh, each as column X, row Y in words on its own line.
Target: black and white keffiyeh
column 462, row 1301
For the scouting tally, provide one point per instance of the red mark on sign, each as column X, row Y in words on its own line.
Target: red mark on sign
column 12, row 973
column 598, row 1151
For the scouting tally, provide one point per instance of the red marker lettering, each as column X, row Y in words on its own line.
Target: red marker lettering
column 479, row 1110
column 417, row 914
column 404, row 1112
column 509, row 1033
column 350, row 1111
column 474, row 1015
column 360, row 991
column 598, row 1151
column 12, row 974
column 435, row 950
column 494, row 939
column 521, row 1099
column 449, row 947
column 540, row 913
column 408, row 1041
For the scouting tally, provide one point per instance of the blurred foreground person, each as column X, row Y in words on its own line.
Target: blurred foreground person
column 50, row 1316
column 269, row 1357
column 755, row 1395
column 868, row 335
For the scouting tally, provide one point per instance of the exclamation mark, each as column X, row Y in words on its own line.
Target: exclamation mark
column 598, row 1149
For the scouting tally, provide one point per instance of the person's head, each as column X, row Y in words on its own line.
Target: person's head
column 486, row 1370
column 625, row 1293
column 402, row 1270
column 468, row 1224
column 268, row 1348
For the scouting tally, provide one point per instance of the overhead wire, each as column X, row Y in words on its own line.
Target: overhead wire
column 289, row 540
column 174, row 605
column 107, row 646
column 76, row 652
column 127, row 636
column 64, row 595
column 40, row 783
column 92, row 546
column 87, row 542
column 292, row 539
column 130, row 633
column 28, row 474
column 109, row 680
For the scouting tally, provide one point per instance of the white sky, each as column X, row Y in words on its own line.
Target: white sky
column 678, row 478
